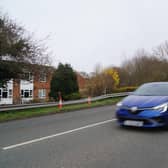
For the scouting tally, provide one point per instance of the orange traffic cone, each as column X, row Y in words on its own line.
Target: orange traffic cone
column 89, row 100
column 60, row 104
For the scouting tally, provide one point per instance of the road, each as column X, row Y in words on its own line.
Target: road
column 81, row 139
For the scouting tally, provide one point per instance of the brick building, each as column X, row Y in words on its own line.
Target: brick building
column 34, row 87
column 82, row 78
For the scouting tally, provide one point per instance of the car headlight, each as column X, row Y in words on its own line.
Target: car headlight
column 119, row 104
column 162, row 108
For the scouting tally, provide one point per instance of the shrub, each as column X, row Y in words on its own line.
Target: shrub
column 125, row 89
column 73, row 96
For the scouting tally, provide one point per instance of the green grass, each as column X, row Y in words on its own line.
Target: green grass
column 34, row 112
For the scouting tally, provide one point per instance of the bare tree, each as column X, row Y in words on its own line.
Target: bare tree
column 144, row 67
column 18, row 46
column 161, row 51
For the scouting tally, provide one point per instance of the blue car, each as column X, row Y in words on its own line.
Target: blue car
column 146, row 107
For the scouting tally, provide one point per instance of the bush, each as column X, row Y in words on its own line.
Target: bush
column 125, row 89
column 73, row 96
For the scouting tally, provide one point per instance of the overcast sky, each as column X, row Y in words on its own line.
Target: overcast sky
column 87, row 32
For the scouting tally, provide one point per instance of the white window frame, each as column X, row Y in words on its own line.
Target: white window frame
column 42, row 93
column 30, row 93
column 9, row 93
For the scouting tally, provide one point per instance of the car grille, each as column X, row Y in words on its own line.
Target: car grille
column 134, row 112
column 145, row 121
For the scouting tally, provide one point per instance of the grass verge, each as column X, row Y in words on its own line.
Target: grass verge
column 34, row 112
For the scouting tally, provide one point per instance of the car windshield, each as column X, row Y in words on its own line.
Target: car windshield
column 152, row 90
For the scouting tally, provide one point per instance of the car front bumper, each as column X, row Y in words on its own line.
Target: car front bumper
column 146, row 123
column 144, row 119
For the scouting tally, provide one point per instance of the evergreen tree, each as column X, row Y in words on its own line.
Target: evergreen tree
column 64, row 80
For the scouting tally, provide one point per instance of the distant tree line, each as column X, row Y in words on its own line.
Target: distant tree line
column 141, row 68
column 101, row 81
column 145, row 67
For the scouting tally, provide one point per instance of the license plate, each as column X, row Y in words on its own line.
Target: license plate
column 133, row 123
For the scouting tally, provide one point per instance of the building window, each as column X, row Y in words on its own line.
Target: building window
column 4, row 93
column 22, row 93
column 43, row 77
column 26, row 93
column 31, row 93
column 10, row 93
column 42, row 93
column 28, row 76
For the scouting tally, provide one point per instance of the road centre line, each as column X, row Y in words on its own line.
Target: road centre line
column 56, row 135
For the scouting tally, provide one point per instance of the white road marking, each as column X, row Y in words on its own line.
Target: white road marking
column 56, row 135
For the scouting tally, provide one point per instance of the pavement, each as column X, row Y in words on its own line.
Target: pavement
column 81, row 139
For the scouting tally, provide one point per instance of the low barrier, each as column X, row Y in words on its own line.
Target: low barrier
column 50, row 104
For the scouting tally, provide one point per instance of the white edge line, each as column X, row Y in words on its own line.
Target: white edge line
column 56, row 135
